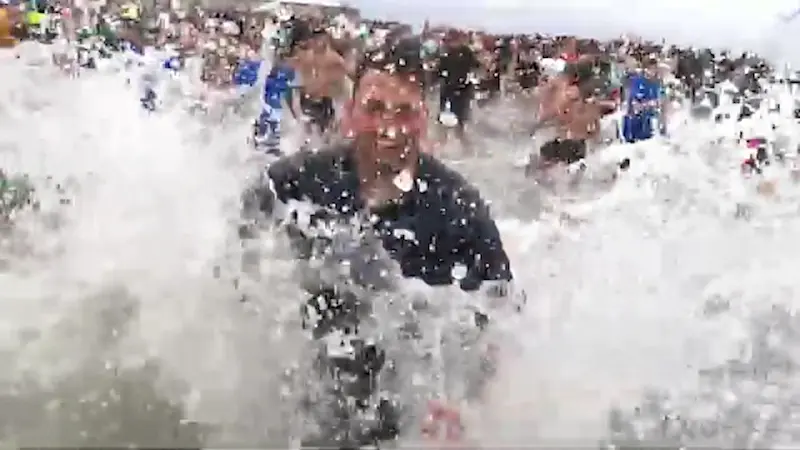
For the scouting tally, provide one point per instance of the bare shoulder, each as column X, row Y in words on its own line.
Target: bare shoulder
column 301, row 58
column 333, row 58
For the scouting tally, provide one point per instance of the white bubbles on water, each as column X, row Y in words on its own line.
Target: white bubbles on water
column 653, row 287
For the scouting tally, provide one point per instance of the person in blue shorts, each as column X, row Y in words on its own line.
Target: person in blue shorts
column 277, row 90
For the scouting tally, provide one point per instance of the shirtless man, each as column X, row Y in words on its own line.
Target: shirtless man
column 573, row 115
column 322, row 73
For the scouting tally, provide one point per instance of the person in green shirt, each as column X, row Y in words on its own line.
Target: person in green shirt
column 16, row 193
column 107, row 34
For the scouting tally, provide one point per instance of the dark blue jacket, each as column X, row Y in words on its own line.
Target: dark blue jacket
column 643, row 95
column 441, row 224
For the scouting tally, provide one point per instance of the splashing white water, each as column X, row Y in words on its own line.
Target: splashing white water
column 619, row 300
column 616, row 295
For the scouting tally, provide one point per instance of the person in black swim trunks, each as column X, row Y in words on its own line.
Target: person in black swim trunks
column 564, row 151
column 574, row 113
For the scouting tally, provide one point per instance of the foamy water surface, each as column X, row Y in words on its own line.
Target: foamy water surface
column 118, row 330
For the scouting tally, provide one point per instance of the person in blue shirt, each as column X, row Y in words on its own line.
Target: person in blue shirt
column 172, row 63
column 152, row 68
column 277, row 90
column 245, row 77
column 246, row 74
column 642, row 120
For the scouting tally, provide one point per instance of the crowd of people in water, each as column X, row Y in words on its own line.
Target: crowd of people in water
column 566, row 84
column 379, row 99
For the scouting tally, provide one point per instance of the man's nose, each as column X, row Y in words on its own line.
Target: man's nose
column 389, row 121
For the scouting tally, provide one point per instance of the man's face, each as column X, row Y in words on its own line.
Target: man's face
column 319, row 43
column 651, row 69
column 572, row 92
column 387, row 121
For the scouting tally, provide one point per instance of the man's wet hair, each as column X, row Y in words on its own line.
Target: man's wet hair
column 403, row 58
column 581, row 71
column 604, row 66
column 299, row 32
column 584, row 76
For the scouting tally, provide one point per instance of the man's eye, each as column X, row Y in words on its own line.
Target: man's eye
column 388, row 169
column 375, row 106
column 399, row 109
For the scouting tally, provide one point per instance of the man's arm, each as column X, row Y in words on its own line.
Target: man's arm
column 482, row 253
column 289, row 96
column 274, row 188
column 286, row 194
column 298, row 61
column 349, row 64
column 488, row 266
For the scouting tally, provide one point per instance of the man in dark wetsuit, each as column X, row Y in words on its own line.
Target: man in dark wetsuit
column 424, row 215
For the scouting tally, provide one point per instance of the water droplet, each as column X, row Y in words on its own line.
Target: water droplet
column 459, row 272
column 404, row 181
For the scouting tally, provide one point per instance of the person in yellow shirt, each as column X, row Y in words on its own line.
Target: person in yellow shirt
column 130, row 12
column 34, row 21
